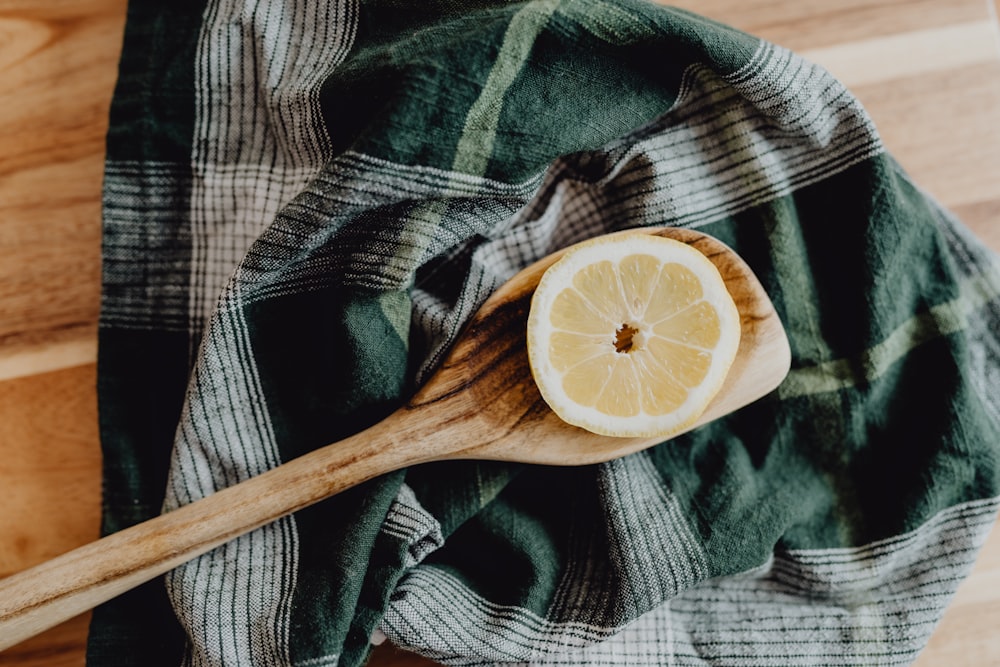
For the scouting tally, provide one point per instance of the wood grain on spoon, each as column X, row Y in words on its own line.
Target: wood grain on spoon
column 481, row 404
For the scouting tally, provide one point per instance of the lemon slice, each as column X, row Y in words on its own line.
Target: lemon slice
column 631, row 335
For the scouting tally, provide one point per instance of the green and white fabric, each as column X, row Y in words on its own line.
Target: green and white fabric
column 306, row 199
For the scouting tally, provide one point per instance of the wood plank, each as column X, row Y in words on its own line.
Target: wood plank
column 910, row 54
column 34, row 352
column 62, row 646
column 51, row 478
column 802, row 25
column 58, row 65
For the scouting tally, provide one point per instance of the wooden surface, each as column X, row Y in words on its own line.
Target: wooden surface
column 927, row 70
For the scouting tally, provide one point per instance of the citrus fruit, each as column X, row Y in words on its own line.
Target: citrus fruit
column 631, row 335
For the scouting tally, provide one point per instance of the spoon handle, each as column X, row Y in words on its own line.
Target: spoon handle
column 480, row 404
column 38, row 598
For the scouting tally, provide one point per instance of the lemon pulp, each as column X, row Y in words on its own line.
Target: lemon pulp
column 631, row 335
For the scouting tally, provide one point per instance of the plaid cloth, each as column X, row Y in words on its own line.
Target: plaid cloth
column 305, row 200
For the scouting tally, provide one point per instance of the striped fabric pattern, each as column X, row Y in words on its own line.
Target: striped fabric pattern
column 306, row 200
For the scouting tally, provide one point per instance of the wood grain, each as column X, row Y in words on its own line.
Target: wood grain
column 62, row 646
column 802, row 25
column 53, row 420
column 57, row 68
column 51, row 480
column 58, row 63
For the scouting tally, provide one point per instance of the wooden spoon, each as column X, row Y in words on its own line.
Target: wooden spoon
column 481, row 404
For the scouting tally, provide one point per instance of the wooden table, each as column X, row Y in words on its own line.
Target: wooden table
column 927, row 70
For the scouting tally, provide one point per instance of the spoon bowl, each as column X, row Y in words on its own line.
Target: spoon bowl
column 482, row 403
